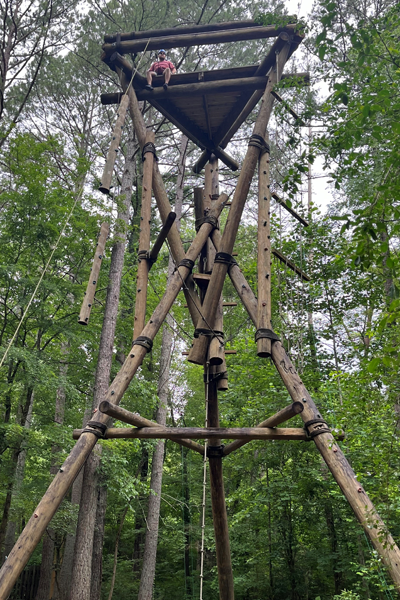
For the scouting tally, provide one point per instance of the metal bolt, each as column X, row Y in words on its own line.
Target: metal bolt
column 265, row 172
column 264, row 304
column 89, row 305
column 359, row 490
column 94, row 282
column 304, row 399
column 132, row 356
column 112, row 393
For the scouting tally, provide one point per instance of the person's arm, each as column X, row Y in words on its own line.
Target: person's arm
column 151, row 68
column 173, row 70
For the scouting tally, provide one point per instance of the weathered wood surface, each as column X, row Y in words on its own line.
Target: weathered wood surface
column 197, row 39
column 203, row 88
column 280, row 417
column 264, row 312
column 117, row 412
column 185, row 78
column 202, row 433
column 46, row 508
column 289, row 209
column 198, row 351
column 162, row 200
column 142, row 278
column 288, row 263
column 87, row 303
column 114, row 146
column 181, row 29
column 162, row 236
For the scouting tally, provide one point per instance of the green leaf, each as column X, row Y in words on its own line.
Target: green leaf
column 373, row 365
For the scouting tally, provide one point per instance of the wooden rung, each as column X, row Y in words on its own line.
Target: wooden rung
column 290, row 210
column 202, row 433
column 291, row 265
column 288, row 108
column 226, row 352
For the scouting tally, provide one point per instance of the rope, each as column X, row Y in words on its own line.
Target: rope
column 203, row 516
column 41, row 278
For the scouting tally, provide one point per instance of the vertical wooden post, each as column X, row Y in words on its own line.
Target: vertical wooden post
column 264, row 256
column 198, row 351
column 114, row 146
column 144, row 239
column 87, row 303
column 220, row 518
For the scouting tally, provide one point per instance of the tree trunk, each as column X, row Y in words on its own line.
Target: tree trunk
column 153, row 515
column 46, row 567
column 83, row 555
column 16, row 466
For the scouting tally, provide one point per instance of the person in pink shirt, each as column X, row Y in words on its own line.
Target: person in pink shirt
column 161, row 67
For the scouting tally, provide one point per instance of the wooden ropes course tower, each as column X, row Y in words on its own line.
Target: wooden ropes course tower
column 208, row 107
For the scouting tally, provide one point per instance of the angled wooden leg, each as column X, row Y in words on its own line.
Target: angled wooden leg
column 341, row 470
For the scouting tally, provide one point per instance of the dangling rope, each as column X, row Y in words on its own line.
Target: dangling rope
column 78, row 197
column 203, row 517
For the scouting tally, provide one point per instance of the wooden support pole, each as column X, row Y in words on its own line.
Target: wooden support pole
column 280, row 417
column 264, row 257
column 215, row 434
column 117, row 412
column 162, row 236
column 344, row 475
column 142, row 278
column 289, row 209
column 197, row 39
column 199, row 348
column 114, row 146
column 46, row 508
column 162, row 200
column 87, row 303
column 291, row 265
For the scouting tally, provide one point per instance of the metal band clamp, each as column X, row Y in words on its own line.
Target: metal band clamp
column 266, row 333
column 144, row 341
column 208, row 219
column 149, row 147
column 259, row 142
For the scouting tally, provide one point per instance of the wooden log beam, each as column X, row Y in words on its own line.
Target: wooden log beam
column 117, row 412
column 289, row 109
column 197, row 39
column 199, row 349
column 280, row 417
column 162, row 200
column 36, row 526
column 162, row 236
column 87, row 303
column 247, row 434
column 180, row 29
column 114, row 146
column 291, row 265
column 289, row 209
column 264, row 311
column 142, row 278
column 203, row 88
column 341, row 470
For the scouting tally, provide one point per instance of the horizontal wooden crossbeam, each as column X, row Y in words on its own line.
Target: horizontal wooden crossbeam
column 289, row 209
column 203, row 433
column 197, row 39
column 117, row 412
column 182, row 29
column 291, row 265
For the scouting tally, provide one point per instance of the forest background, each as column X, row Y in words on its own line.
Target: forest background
column 292, row 533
